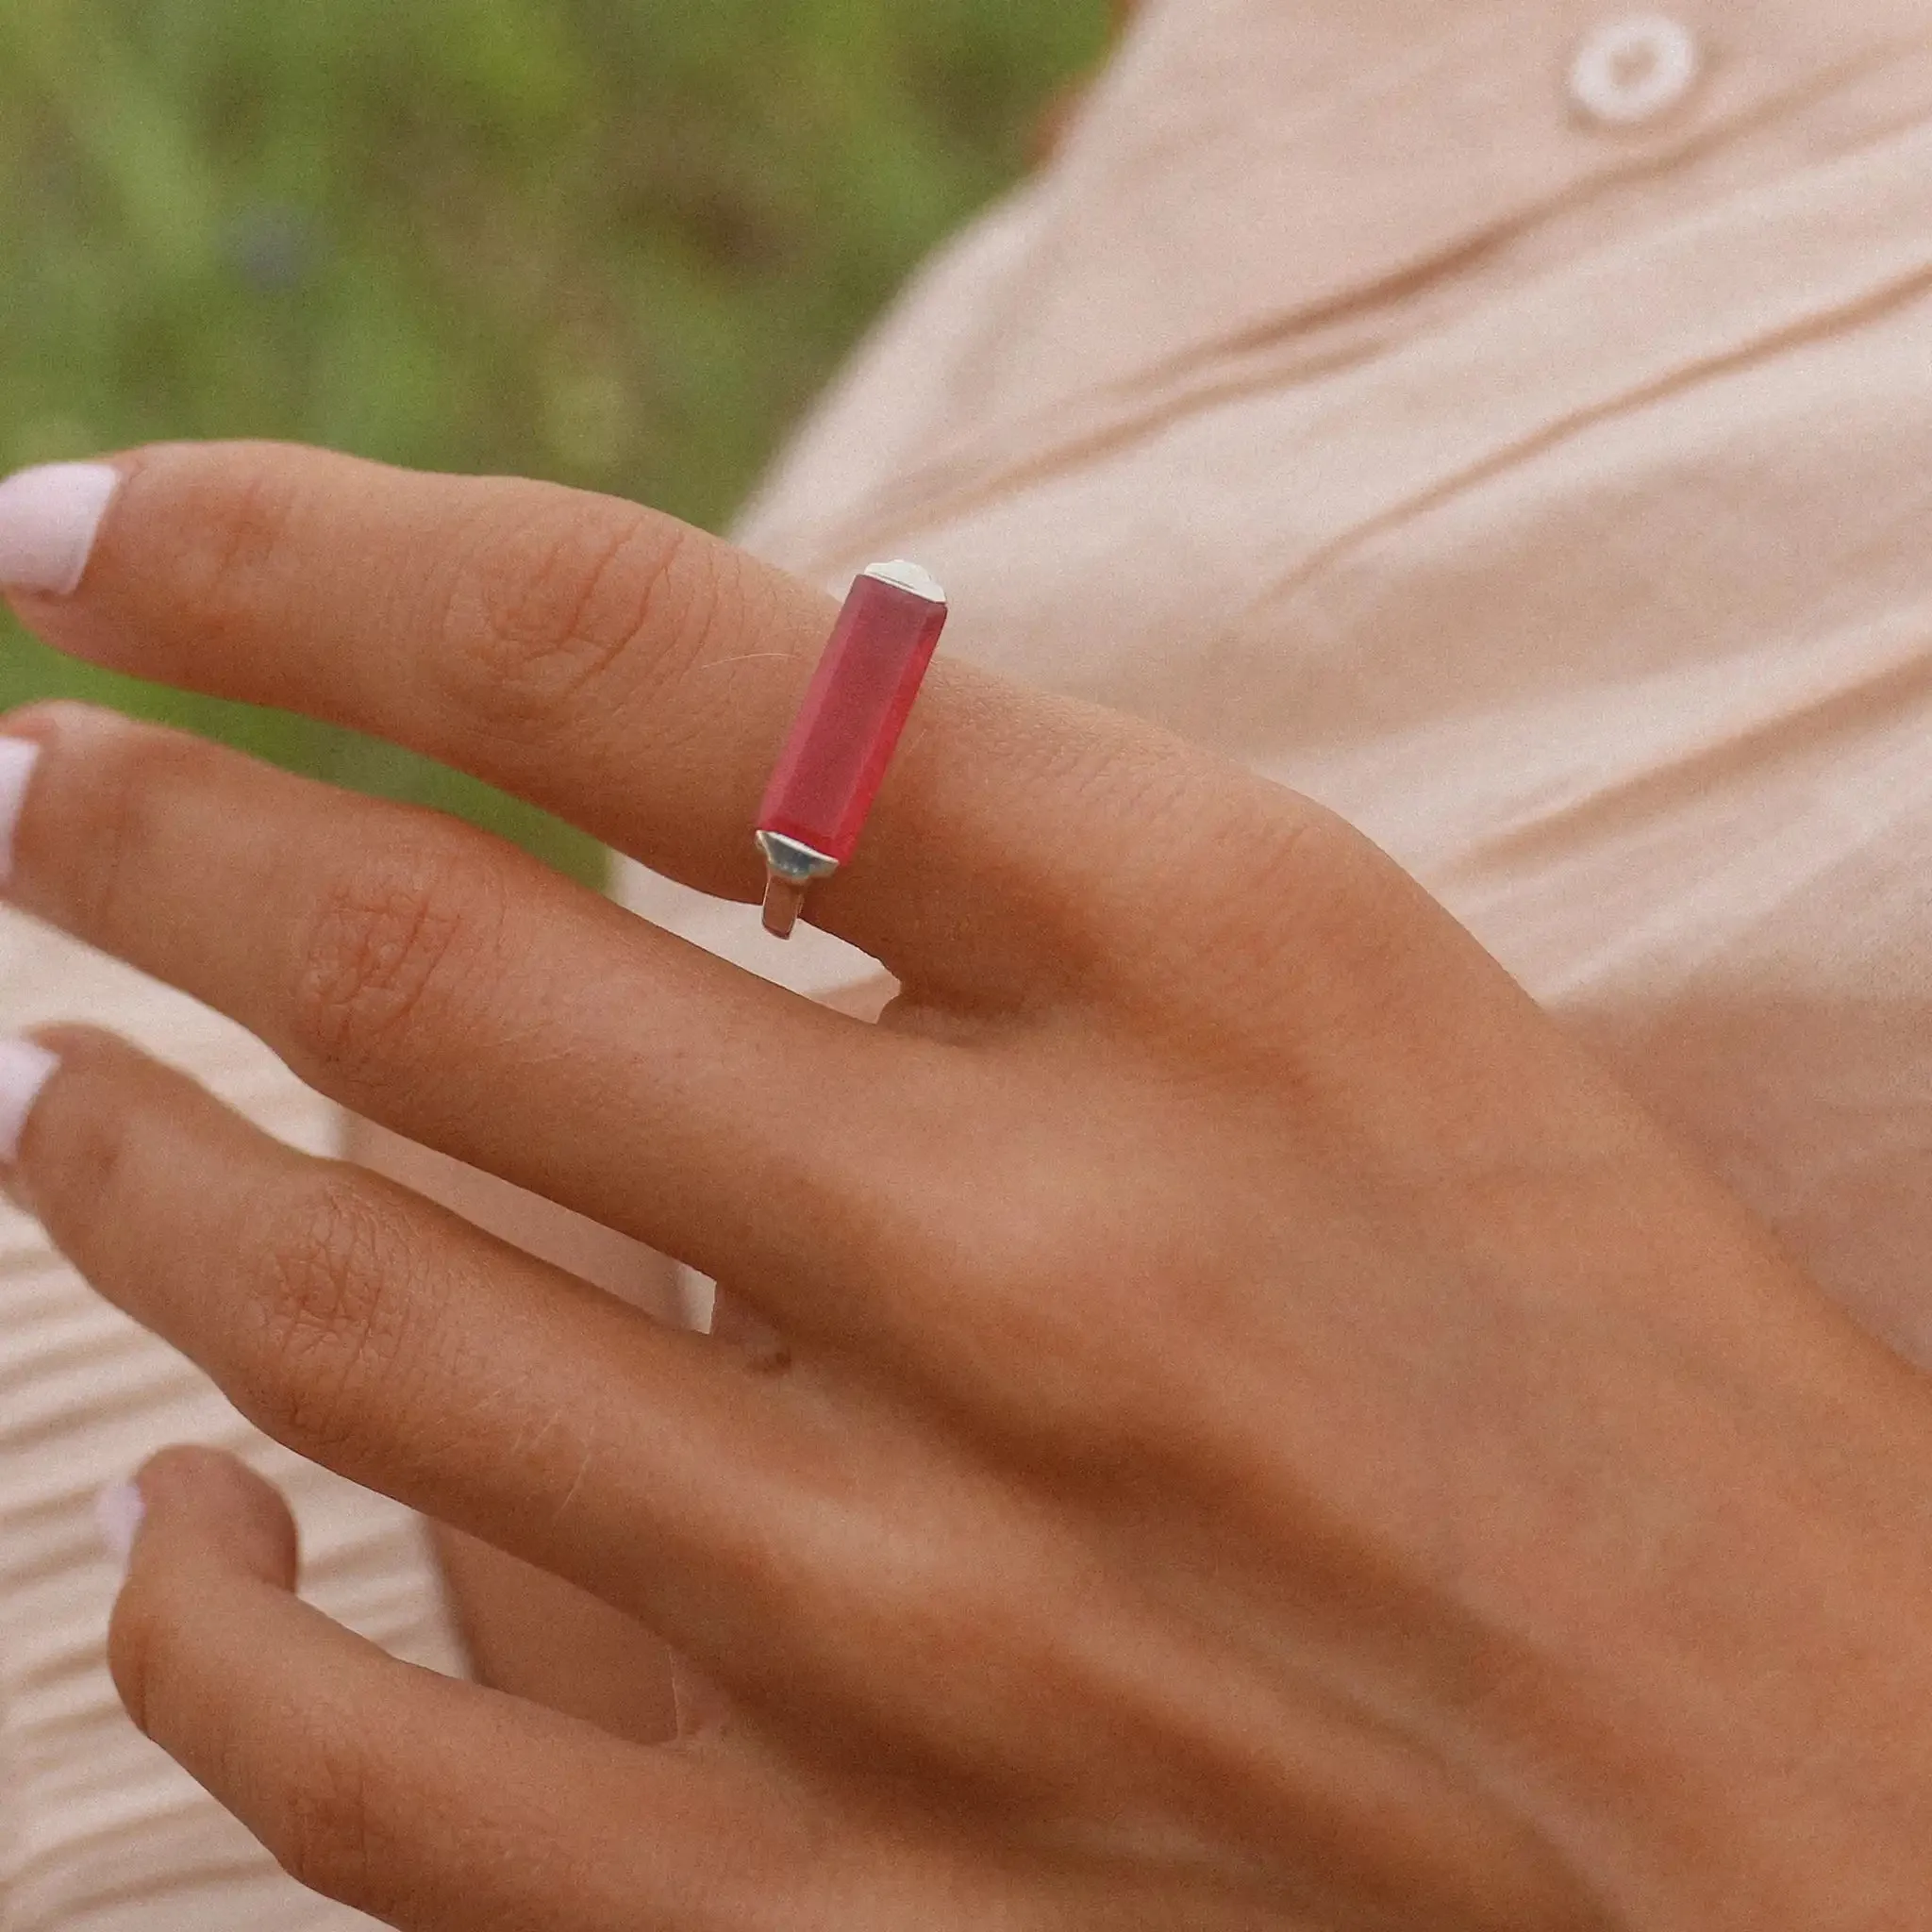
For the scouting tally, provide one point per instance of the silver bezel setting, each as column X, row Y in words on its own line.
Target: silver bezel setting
column 790, row 860
column 907, row 576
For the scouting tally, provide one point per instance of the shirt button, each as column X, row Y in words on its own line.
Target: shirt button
column 1630, row 71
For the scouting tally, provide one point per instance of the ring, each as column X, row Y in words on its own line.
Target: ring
column 848, row 727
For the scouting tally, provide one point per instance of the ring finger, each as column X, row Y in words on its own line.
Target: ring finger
column 632, row 675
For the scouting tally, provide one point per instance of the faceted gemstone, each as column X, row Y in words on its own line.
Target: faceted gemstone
column 855, row 710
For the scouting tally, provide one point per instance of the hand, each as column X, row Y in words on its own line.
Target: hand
column 1262, row 1431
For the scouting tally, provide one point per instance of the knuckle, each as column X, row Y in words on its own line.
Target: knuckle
column 324, row 1826
column 1330, row 858
column 333, row 1291
column 1223, row 934
column 82, row 1151
column 1345, row 927
column 233, row 518
column 388, row 965
column 125, row 780
column 1314, row 860
column 561, row 613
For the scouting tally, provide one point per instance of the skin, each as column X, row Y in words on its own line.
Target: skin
column 1237, row 1421
column 524, row 1630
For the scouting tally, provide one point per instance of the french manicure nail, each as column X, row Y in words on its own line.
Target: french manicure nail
column 49, row 517
column 18, row 758
column 118, row 1512
column 24, row 1071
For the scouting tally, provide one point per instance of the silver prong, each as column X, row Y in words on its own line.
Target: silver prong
column 790, row 869
column 784, row 902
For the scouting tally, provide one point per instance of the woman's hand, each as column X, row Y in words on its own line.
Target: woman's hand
column 1261, row 1431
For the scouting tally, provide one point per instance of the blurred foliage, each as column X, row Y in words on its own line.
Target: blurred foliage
column 618, row 242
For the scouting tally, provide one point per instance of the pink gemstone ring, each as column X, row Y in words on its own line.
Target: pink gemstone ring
column 849, row 726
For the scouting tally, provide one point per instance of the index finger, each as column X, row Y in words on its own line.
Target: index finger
column 619, row 668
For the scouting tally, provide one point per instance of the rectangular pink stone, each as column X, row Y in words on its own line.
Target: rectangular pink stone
column 855, row 710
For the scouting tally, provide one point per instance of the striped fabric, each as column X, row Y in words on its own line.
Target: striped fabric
column 102, row 1832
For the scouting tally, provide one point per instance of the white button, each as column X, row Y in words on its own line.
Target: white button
column 1630, row 71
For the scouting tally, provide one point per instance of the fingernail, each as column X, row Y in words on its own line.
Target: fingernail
column 24, row 1070
column 118, row 1512
column 18, row 758
column 49, row 517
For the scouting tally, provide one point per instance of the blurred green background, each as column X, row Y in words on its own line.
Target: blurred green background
column 617, row 242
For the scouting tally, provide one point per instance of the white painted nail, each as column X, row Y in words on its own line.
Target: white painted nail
column 49, row 519
column 24, row 1071
column 118, row 1513
column 18, row 758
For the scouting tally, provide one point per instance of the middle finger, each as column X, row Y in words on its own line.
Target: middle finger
column 439, row 982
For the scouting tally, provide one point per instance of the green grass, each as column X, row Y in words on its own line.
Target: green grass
column 617, row 242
